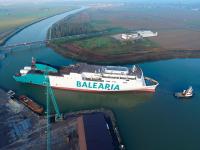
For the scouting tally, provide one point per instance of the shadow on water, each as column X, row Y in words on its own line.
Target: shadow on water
column 71, row 100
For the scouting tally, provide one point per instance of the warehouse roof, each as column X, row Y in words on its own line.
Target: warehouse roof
column 95, row 134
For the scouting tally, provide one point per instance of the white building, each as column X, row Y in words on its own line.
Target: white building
column 138, row 35
column 125, row 36
column 147, row 33
column 129, row 36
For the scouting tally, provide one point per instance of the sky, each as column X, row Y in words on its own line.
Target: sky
column 39, row 1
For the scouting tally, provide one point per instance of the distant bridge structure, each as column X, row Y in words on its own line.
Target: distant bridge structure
column 7, row 47
column 5, row 50
column 24, row 44
column 10, row 46
column 38, row 42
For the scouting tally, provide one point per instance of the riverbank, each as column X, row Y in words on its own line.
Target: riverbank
column 5, row 36
column 123, row 56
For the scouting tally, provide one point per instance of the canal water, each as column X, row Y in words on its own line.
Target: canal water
column 146, row 121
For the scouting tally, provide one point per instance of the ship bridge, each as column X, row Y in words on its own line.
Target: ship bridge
column 116, row 70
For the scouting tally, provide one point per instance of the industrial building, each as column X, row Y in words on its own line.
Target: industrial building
column 138, row 34
column 147, row 33
column 93, row 132
column 133, row 36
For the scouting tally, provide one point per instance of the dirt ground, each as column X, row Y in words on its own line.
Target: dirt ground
column 178, row 28
column 23, row 129
column 178, row 39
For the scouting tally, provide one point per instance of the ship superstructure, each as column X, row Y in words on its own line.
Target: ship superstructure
column 89, row 78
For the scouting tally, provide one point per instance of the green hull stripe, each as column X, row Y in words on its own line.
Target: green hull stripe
column 31, row 78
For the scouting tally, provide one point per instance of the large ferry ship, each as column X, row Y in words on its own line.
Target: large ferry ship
column 88, row 78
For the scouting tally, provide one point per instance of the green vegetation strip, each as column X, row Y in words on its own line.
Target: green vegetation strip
column 109, row 45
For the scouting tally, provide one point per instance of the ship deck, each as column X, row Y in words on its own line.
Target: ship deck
column 83, row 67
column 80, row 68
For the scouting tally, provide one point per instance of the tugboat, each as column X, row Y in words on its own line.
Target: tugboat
column 26, row 101
column 185, row 93
column 31, row 104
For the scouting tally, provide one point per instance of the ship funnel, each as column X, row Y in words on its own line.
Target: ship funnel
column 134, row 68
column 33, row 61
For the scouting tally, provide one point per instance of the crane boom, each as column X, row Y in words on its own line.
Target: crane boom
column 50, row 94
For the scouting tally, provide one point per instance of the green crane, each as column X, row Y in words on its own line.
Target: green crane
column 50, row 94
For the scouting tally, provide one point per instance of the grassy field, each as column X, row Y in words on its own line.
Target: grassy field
column 109, row 46
column 106, row 49
column 14, row 16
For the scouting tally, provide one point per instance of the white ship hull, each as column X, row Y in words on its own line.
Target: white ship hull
column 88, row 78
column 75, row 83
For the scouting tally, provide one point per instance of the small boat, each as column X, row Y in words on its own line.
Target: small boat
column 185, row 93
column 26, row 101
column 31, row 104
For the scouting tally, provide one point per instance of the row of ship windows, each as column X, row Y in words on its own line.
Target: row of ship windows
column 99, row 80
column 127, row 79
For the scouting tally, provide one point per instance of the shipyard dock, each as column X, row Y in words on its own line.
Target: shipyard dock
column 24, row 129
